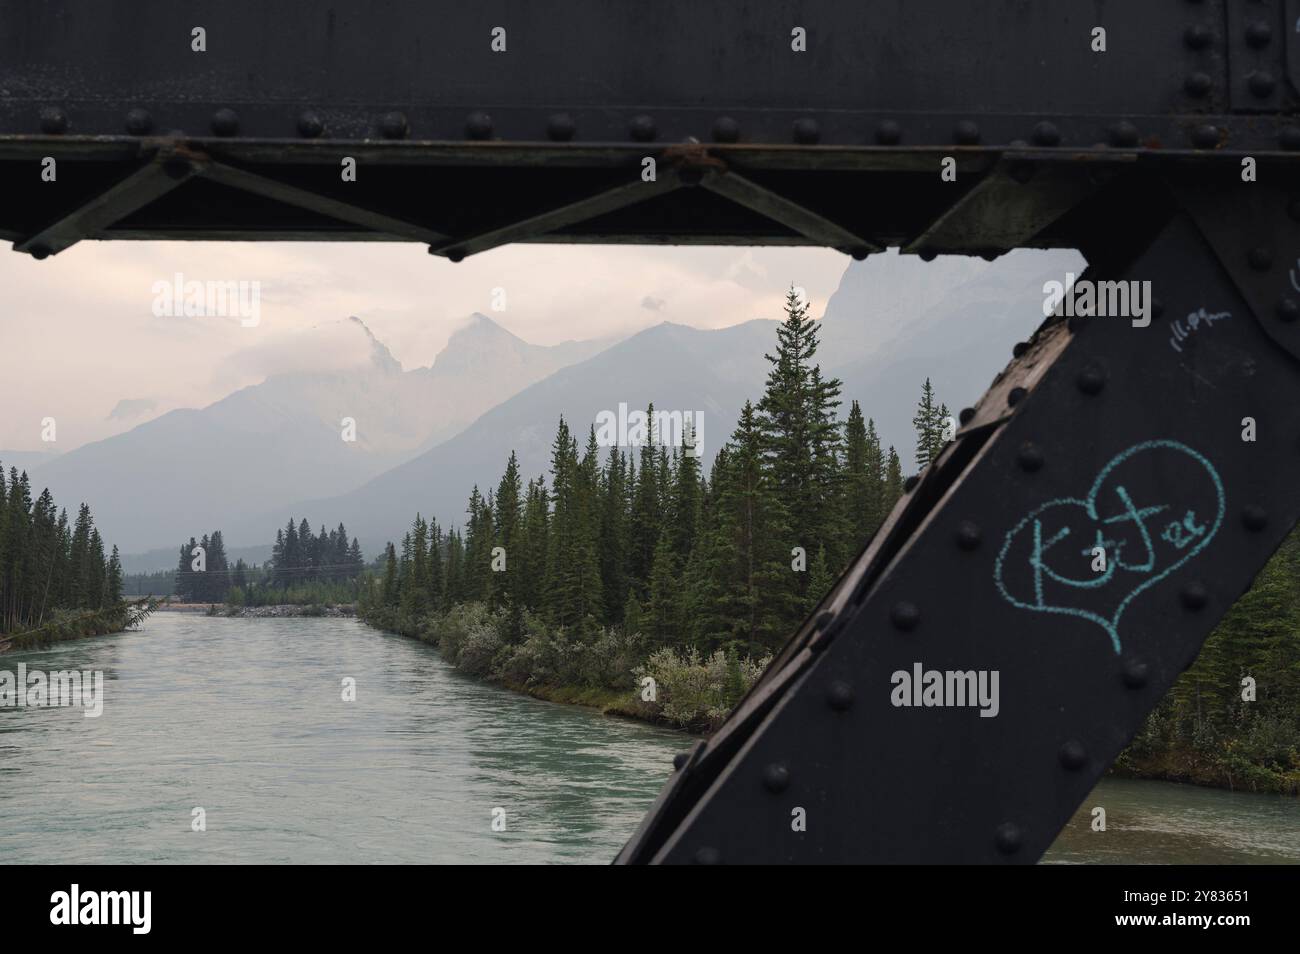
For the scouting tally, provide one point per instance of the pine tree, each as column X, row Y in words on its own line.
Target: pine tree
column 534, row 547
column 79, row 569
column 390, row 588
column 820, row 581
column 437, row 583
column 613, row 536
column 797, row 422
column 930, row 423
column 685, row 508
column 508, row 519
column 665, row 610
column 893, row 481
column 750, row 594
column 415, row 585
column 218, row 568
column 646, row 516
column 455, row 586
column 94, row 583
column 114, row 594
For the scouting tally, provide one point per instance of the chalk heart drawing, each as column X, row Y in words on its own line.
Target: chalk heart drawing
column 1048, row 562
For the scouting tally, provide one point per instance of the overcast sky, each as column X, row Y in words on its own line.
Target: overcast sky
column 79, row 341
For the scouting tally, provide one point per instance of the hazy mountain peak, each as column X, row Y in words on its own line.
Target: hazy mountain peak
column 380, row 356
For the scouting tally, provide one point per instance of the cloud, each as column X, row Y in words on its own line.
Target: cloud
column 63, row 320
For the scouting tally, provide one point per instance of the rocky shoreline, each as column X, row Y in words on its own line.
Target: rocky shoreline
column 262, row 612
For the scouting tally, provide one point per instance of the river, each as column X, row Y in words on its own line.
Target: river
column 244, row 718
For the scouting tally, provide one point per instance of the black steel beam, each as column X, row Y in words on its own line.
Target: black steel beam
column 813, row 225
column 385, row 226
column 149, row 182
column 884, row 91
column 630, row 191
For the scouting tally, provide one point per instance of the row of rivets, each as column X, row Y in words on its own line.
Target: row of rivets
column 806, row 131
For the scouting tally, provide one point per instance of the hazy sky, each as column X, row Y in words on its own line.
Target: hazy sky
column 79, row 340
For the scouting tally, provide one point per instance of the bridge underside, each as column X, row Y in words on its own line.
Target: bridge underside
column 473, row 128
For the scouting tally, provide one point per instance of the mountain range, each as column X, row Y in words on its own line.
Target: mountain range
column 424, row 437
column 191, row 470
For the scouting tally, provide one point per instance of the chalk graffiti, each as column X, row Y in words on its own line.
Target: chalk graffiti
column 1144, row 540
column 1194, row 321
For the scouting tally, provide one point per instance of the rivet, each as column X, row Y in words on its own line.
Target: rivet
column 1019, row 348
column 642, row 128
column 839, row 696
column 889, row 133
column 859, row 253
column 1288, row 310
column 225, row 122
column 905, row 616
column 1205, row 136
column 910, row 482
column 1046, row 134
column 561, row 127
column 1194, row 596
column 39, row 252
column 726, row 129
column 456, row 255
column 54, row 121
column 967, row 535
column 1198, row 84
column 1258, row 34
column 1073, row 755
column 1015, row 396
column 478, row 125
column 1260, row 259
column 1288, row 138
column 680, row 759
column 1136, row 673
column 1030, row 457
column 1197, row 36
column 1261, row 83
column 708, row 856
column 1254, row 517
column 806, row 131
column 1008, row 838
column 928, row 254
column 966, row 415
column 139, row 122
column 393, row 125
column 1123, row 134
column 309, row 124
column 966, row 133
column 776, row 777
column 1091, row 380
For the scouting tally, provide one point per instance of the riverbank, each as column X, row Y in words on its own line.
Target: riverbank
column 1185, row 766
column 281, row 611
column 605, row 670
column 65, row 626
